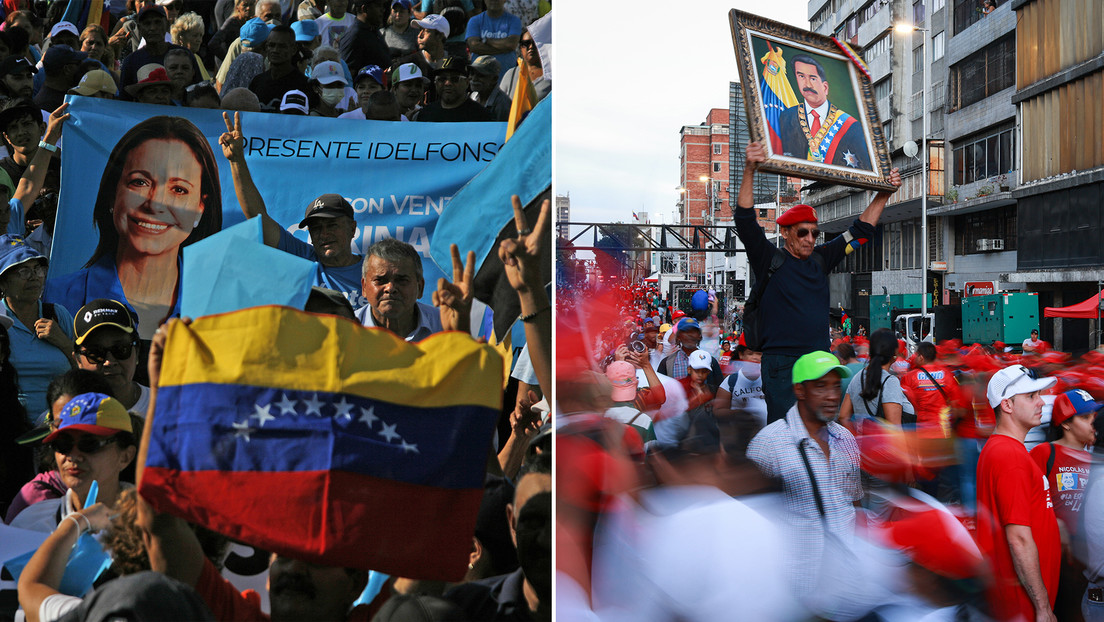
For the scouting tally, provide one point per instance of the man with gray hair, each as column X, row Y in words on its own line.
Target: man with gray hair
column 392, row 283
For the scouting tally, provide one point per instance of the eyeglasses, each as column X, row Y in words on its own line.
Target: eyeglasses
column 804, row 232
column 526, row 43
column 454, row 79
column 64, row 444
column 26, row 272
column 99, row 355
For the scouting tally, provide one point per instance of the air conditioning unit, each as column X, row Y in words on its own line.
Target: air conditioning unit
column 994, row 244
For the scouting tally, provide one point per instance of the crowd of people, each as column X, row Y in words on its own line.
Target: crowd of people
column 80, row 353
column 954, row 482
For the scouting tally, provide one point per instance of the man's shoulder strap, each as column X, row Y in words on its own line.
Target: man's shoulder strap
column 780, row 256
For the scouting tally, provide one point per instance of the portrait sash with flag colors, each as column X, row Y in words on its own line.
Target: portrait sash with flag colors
column 314, row 437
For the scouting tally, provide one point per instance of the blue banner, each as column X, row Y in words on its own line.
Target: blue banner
column 399, row 177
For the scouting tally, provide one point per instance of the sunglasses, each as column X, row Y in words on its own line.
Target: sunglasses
column 804, row 232
column 191, row 88
column 26, row 272
column 99, row 355
column 64, row 444
column 455, row 79
column 525, row 43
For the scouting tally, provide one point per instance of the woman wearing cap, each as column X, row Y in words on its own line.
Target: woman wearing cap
column 41, row 334
column 94, row 441
column 1065, row 462
column 159, row 193
column 329, row 85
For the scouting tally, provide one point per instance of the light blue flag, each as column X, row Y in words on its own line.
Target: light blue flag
column 479, row 211
column 233, row 269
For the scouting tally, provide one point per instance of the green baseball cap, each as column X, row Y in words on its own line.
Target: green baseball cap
column 814, row 365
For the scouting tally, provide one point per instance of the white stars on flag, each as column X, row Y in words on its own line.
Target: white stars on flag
column 262, row 413
column 242, row 429
column 317, row 405
column 314, row 406
column 388, row 432
column 368, row 416
column 344, row 409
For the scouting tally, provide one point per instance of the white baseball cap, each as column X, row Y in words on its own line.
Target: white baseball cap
column 700, row 359
column 328, row 72
column 433, row 22
column 1015, row 380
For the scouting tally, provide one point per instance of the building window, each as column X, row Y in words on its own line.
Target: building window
column 936, row 5
column 937, row 46
column 887, row 131
column 998, row 224
column 918, row 60
column 716, row 167
column 883, row 89
column 918, row 13
column 717, row 148
column 968, row 12
column 984, row 73
column 877, row 48
column 984, row 156
column 870, row 11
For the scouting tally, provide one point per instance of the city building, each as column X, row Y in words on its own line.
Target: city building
column 1015, row 93
column 563, row 215
column 1058, row 231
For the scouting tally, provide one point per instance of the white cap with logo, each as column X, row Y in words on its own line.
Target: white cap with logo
column 700, row 359
column 1015, row 380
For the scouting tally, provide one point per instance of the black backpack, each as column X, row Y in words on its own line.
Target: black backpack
column 752, row 327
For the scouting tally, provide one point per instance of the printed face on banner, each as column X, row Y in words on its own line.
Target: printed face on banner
column 165, row 184
column 158, row 199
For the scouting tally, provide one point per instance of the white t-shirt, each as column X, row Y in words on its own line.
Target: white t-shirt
column 56, row 605
column 141, row 407
column 332, row 30
column 747, row 393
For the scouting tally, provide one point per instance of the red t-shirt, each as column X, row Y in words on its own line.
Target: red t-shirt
column 1011, row 490
column 980, row 424
column 933, row 411
column 1068, row 476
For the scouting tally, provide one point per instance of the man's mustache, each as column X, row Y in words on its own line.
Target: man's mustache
column 809, row 91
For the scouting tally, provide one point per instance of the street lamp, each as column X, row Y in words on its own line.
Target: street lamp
column 908, row 29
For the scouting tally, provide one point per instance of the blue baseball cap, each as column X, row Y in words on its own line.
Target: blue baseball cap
column 370, row 71
column 305, row 30
column 700, row 300
column 1073, row 403
column 406, row 4
column 254, row 32
column 61, row 55
column 688, row 323
column 14, row 251
column 92, row 413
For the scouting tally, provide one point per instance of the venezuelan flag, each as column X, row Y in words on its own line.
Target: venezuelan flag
column 525, row 97
column 317, row 438
column 776, row 91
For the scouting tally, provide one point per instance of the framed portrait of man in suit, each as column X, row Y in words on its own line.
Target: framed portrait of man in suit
column 810, row 103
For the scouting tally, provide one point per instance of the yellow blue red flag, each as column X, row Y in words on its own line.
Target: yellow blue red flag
column 317, row 438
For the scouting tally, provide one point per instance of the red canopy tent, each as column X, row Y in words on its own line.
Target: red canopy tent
column 1087, row 309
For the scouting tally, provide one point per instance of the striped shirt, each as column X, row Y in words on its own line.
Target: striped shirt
column 776, row 450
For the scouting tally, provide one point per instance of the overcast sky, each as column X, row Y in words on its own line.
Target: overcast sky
column 626, row 82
